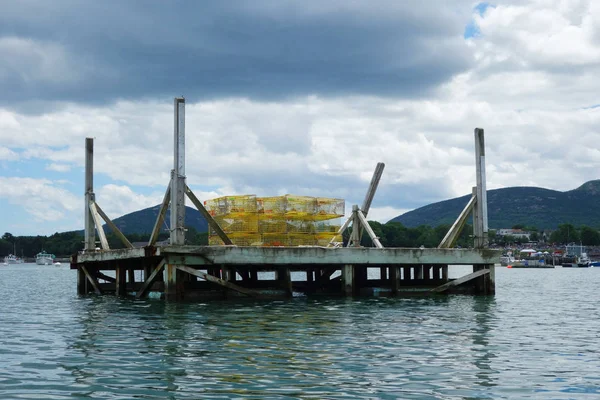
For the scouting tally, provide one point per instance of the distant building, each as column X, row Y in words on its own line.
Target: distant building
column 516, row 233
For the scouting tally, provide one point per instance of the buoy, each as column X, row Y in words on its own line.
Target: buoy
column 509, row 266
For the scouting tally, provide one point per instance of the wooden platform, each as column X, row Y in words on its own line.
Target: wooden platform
column 194, row 272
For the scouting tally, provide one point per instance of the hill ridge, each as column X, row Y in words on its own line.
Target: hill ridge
column 527, row 205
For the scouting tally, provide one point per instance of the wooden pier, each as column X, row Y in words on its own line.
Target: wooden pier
column 182, row 272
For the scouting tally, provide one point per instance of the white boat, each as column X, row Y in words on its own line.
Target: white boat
column 44, row 258
column 12, row 259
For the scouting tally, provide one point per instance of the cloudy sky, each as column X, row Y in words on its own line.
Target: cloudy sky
column 297, row 96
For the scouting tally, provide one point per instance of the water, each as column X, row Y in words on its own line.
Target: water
column 537, row 338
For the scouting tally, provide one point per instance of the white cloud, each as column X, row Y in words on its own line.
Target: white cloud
column 41, row 198
column 532, row 89
column 7, row 154
column 58, row 167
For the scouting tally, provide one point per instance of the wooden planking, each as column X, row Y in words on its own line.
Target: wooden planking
column 114, row 228
column 213, row 279
column 142, row 292
column 98, row 222
column 211, row 221
column 92, row 280
column 460, row 281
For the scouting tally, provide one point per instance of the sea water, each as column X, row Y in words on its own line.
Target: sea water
column 537, row 338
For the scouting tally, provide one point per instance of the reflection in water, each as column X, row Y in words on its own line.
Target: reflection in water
column 517, row 344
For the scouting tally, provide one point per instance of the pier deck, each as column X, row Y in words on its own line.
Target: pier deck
column 234, row 271
column 179, row 271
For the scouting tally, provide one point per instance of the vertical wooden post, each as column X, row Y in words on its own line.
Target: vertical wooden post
column 348, row 279
column 480, row 212
column 178, row 175
column 131, row 276
column 354, row 240
column 481, row 238
column 395, row 279
column 81, row 282
column 90, row 233
column 121, row 283
column 284, row 276
column 177, row 198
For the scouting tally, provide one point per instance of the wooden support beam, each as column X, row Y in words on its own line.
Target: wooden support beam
column 395, row 278
column 121, row 283
column 90, row 234
column 366, row 202
column 148, row 283
column 367, row 227
column 348, row 280
column 92, row 280
column 100, row 275
column 114, row 228
column 81, row 282
column 161, row 216
column 325, row 275
column 178, row 175
column 366, row 205
column 340, row 231
column 454, row 232
column 284, row 276
column 218, row 281
column 354, row 240
column 481, row 239
column 98, row 222
column 211, row 221
column 460, row 281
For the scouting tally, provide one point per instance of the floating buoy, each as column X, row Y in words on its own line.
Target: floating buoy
column 509, row 266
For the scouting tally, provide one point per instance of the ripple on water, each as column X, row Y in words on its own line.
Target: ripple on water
column 535, row 339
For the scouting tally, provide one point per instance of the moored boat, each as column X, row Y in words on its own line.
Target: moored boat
column 43, row 258
column 12, row 259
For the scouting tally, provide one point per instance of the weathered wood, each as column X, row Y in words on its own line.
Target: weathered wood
column 114, row 228
column 340, row 231
column 100, row 275
column 81, row 282
column 250, row 255
column 161, row 216
column 90, row 233
column 367, row 227
column 148, row 283
column 284, row 276
column 92, row 280
column 209, row 219
column 221, row 282
column 354, row 240
column 99, row 229
column 460, row 281
column 394, row 278
column 482, row 240
column 366, row 205
column 348, row 280
column 121, row 282
column 178, row 175
column 454, row 232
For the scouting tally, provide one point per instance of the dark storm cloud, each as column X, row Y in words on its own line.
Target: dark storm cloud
column 99, row 51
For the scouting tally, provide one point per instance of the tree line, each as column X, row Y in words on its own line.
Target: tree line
column 392, row 234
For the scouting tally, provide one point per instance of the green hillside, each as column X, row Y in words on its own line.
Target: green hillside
column 142, row 221
column 529, row 206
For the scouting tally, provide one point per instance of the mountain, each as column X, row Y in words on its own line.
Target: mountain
column 529, row 206
column 142, row 221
